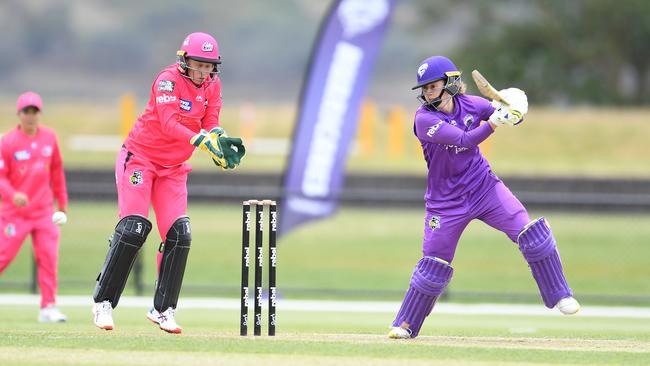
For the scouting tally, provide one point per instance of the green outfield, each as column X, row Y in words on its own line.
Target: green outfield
column 363, row 253
column 307, row 338
column 551, row 141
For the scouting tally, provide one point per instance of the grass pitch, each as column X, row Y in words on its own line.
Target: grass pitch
column 358, row 253
column 211, row 338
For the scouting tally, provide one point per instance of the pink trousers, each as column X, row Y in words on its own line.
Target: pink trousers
column 45, row 240
column 142, row 183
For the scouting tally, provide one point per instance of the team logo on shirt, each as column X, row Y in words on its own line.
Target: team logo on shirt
column 434, row 223
column 10, row 230
column 22, row 155
column 468, row 120
column 47, row 151
column 136, row 178
column 186, row 105
column 199, row 98
column 166, row 86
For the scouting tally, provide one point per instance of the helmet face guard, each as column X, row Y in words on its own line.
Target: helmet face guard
column 184, row 67
column 452, row 87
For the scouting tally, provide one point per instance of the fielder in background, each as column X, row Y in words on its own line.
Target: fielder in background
column 462, row 187
column 151, row 169
column 31, row 177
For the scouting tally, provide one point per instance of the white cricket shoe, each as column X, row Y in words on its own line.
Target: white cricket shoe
column 399, row 333
column 568, row 306
column 165, row 320
column 50, row 314
column 103, row 312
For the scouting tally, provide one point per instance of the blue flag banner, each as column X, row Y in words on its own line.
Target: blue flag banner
column 341, row 63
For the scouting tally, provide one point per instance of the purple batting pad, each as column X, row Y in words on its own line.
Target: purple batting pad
column 429, row 279
column 538, row 246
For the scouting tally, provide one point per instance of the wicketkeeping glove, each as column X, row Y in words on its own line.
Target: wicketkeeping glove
column 232, row 148
column 512, row 114
column 204, row 141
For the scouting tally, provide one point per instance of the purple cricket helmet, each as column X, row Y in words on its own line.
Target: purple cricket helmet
column 437, row 68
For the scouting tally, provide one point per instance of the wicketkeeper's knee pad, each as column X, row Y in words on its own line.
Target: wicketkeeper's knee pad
column 431, row 276
column 537, row 244
column 175, row 251
column 130, row 233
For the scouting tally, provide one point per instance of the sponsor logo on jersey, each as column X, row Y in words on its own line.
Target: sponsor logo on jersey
column 207, row 47
column 22, row 155
column 456, row 149
column 136, row 178
column 186, row 105
column 453, row 122
column 162, row 99
column 166, row 86
column 199, row 98
column 433, row 129
column 10, row 230
column 434, row 223
column 47, row 151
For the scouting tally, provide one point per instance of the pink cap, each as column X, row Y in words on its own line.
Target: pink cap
column 29, row 99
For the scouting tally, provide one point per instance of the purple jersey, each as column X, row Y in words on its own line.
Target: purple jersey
column 450, row 146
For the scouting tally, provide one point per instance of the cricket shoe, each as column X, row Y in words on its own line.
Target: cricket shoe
column 399, row 333
column 165, row 320
column 50, row 314
column 103, row 315
column 568, row 306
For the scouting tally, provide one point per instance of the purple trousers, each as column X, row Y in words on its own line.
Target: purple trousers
column 445, row 222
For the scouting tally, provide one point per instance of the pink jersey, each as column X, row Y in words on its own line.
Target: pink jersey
column 31, row 165
column 177, row 110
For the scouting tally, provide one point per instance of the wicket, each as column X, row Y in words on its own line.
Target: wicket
column 259, row 256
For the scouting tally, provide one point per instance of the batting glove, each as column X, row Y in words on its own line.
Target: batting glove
column 512, row 114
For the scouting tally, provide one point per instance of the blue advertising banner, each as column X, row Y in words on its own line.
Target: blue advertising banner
column 341, row 63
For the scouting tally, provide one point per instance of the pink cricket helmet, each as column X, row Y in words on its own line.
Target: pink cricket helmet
column 200, row 47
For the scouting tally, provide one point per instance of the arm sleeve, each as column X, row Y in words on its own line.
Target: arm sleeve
column 212, row 112
column 57, row 178
column 485, row 108
column 439, row 132
column 167, row 102
column 6, row 189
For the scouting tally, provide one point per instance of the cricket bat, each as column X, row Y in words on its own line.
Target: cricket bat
column 487, row 89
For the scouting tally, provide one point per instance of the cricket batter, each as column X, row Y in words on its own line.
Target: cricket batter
column 151, row 169
column 31, row 177
column 462, row 187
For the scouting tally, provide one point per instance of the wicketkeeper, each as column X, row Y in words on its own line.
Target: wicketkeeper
column 462, row 187
column 151, row 169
